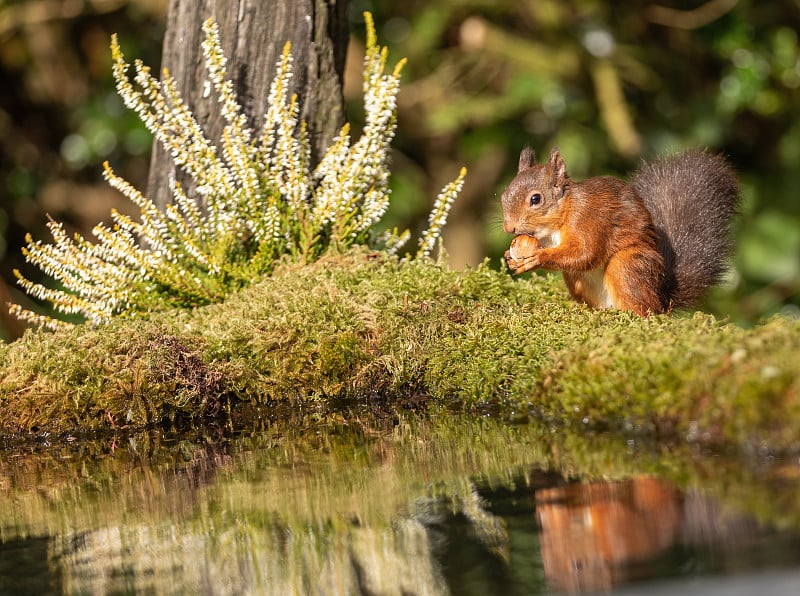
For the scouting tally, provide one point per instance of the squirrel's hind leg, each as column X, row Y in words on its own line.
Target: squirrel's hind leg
column 633, row 280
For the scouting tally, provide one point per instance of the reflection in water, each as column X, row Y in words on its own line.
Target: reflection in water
column 244, row 558
column 405, row 507
column 600, row 534
column 592, row 534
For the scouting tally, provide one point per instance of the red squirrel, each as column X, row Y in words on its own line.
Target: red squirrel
column 655, row 244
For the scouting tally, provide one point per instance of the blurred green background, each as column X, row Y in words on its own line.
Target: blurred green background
column 608, row 82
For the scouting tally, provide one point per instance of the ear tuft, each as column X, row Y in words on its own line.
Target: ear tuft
column 558, row 165
column 559, row 169
column 526, row 159
column 555, row 155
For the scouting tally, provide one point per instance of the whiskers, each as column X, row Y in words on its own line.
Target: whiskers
column 494, row 224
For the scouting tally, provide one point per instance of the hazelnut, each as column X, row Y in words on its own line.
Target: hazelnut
column 523, row 246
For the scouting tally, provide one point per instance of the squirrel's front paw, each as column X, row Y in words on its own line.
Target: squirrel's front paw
column 510, row 260
column 521, row 255
column 522, row 265
column 526, row 264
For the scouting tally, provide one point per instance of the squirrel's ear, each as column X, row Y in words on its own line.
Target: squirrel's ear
column 559, row 170
column 526, row 159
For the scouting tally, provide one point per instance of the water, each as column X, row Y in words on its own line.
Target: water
column 384, row 504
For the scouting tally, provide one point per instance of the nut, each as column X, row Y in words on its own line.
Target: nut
column 523, row 246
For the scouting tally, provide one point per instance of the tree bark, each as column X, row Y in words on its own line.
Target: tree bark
column 253, row 33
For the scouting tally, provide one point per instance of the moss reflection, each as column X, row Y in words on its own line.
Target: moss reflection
column 327, row 503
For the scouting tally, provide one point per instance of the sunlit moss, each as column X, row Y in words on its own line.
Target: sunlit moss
column 363, row 324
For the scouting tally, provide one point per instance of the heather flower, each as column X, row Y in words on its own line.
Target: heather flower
column 254, row 198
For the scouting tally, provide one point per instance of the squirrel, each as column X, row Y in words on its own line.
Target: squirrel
column 655, row 244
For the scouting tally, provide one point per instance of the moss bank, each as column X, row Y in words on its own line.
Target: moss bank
column 363, row 324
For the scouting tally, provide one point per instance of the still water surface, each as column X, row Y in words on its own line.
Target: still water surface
column 393, row 505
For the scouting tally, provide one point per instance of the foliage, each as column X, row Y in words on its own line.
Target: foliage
column 365, row 324
column 729, row 82
column 255, row 199
column 608, row 83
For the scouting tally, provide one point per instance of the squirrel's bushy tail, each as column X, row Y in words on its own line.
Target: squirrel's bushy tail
column 692, row 198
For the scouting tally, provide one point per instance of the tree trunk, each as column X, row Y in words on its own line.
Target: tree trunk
column 253, row 33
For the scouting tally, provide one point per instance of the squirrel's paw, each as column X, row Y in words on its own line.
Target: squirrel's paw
column 526, row 264
column 521, row 255
column 521, row 265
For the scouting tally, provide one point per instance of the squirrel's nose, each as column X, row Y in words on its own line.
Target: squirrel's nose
column 508, row 228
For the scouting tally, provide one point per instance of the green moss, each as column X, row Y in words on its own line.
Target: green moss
column 128, row 372
column 366, row 324
column 688, row 375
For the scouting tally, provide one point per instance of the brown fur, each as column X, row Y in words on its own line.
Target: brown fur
column 601, row 235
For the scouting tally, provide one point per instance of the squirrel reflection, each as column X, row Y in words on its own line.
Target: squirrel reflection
column 593, row 535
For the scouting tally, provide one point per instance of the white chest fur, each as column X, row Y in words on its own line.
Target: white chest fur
column 549, row 238
column 593, row 288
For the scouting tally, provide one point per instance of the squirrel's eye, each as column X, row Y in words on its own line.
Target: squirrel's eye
column 536, row 198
